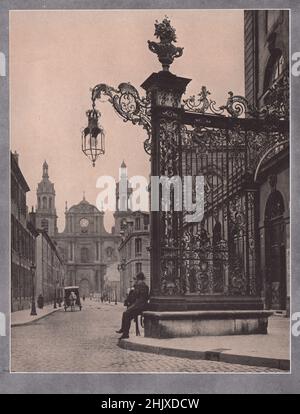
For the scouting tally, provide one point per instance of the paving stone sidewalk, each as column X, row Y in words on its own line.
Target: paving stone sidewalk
column 23, row 317
column 272, row 350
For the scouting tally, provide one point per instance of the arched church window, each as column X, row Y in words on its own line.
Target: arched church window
column 39, row 202
column 50, row 203
column 44, row 202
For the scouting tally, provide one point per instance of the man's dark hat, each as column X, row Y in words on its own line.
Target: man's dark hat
column 140, row 276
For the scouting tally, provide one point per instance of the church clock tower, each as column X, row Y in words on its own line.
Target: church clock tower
column 46, row 217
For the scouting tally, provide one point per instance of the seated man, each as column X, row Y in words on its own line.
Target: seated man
column 140, row 299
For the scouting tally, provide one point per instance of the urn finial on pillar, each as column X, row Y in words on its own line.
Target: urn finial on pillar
column 165, row 49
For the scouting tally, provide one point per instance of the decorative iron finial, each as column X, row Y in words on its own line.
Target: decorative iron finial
column 165, row 49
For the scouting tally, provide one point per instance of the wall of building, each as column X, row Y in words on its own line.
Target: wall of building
column 266, row 35
column 134, row 259
column 22, row 242
column 50, row 271
column 266, row 62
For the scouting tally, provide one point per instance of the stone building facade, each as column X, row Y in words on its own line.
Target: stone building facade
column 266, row 68
column 50, row 269
column 86, row 247
column 23, row 234
column 134, row 250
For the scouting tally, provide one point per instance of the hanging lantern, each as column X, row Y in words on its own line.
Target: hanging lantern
column 93, row 137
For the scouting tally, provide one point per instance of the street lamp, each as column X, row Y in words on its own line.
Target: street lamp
column 93, row 137
column 55, row 293
column 33, row 307
column 116, row 299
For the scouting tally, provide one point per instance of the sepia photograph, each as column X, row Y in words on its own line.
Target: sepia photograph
column 150, row 191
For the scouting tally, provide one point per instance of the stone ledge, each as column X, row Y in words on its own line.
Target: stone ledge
column 207, row 314
column 205, row 323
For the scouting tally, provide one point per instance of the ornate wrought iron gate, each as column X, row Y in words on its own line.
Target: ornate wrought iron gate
column 220, row 254
column 214, row 263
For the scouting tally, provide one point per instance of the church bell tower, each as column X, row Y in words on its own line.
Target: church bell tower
column 46, row 217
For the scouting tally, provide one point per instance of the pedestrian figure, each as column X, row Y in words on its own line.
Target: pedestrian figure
column 139, row 299
column 83, row 298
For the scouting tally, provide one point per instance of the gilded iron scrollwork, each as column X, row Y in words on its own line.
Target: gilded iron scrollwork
column 169, row 148
column 201, row 103
column 171, row 220
column 264, row 145
column 204, row 262
column 275, row 104
column 277, row 99
column 235, row 106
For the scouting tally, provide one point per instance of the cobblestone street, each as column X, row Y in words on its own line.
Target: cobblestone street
column 86, row 342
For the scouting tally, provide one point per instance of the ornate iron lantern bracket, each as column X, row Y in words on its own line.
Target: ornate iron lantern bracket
column 128, row 104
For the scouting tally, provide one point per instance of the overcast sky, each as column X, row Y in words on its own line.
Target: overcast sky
column 57, row 56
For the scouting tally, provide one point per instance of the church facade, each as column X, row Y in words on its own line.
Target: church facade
column 86, row 248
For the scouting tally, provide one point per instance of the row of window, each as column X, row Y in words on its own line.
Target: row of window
column 85, row 256
column 22, row 241
column 18, row 196
column 145, row 223
column 21, row 282
column 138, row 224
